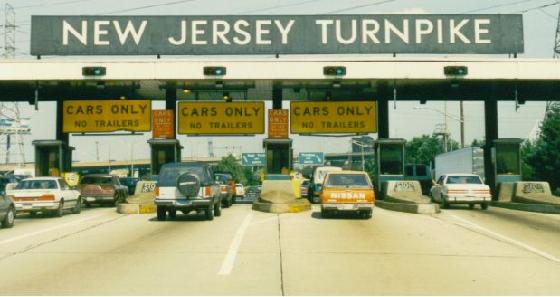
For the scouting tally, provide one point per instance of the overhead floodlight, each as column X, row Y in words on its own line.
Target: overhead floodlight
column 94, row 71
column 456, row 70
column 334, row 70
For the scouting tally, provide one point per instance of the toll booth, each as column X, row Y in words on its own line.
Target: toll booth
column 506, row 160
column 389, row 161
column 52, row 157
column 278, row 154
column 163, row 151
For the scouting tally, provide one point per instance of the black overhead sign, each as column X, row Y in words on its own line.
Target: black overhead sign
column 280, row 34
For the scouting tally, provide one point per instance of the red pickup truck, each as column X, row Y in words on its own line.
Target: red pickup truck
column 102, row 188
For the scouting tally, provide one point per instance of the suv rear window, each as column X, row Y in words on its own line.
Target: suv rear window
column 358, row 180
column 169, row 174
column 97, row 180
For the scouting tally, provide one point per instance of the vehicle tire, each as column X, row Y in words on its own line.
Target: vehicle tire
column 234, row 200
column 172, row 213
column 325, row 213
column 116, row 199
column 227, row 202
column 209, row 212
column 78, row 207
column 366, row 215
column 60, row 210
column 161, row 213
column 218, row 209
column 484, row 206
column 8, row 221
column 471, row 206
column 32, row 213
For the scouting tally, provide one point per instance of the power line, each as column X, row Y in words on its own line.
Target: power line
column 361, row 6
column 498, row 6
column 149, row 6
column 279, row 6
column 539, row 7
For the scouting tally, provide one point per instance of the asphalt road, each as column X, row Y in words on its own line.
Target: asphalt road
column 459, row 251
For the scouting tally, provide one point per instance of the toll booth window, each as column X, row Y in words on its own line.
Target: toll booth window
column 391, row 158
column 421, row 170
column 507, row 159
column 409, row 170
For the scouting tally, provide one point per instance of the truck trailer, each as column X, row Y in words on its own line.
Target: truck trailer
column 467, row 160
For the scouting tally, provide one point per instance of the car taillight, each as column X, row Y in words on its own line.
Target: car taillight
column 156, row 191
column 47, row 197
column 207, row 192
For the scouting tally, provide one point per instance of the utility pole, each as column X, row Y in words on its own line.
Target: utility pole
column 462, row 121
column 557, row 38
column 97, row 150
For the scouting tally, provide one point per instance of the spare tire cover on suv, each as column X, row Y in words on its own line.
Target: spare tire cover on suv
column 188, row 184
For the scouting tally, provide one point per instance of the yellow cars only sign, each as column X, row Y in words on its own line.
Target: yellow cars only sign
column 221, row 118
column 333, row 117
column 107, row 115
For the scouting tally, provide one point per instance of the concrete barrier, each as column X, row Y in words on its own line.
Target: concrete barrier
column 534, row 193
column 421, row 208
column 540, row 208
column 145, row 186
column 506, row 192
column 277, row 196
column 406, row 191
column 136, row 208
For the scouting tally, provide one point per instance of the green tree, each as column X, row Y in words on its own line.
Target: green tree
column 544, row 157
column 422, row 150
column 230, row 164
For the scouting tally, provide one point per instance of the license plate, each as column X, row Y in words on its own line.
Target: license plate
column 90, row 199
column 346, row 207
column 27, row 206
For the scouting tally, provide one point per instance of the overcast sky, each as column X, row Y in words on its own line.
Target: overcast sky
column 539, row 17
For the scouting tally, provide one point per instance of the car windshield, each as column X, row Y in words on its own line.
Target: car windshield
column 169, row 174
column 463, row 180
column 350, row 180
column 223, row 178
column 36, row 184
column 97, row 180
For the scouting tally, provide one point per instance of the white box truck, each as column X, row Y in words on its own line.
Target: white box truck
column 467, row 160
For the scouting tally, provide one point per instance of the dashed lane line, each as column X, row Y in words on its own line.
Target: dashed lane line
column 229, row 260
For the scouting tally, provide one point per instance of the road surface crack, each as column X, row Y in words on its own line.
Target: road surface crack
column 281, row 260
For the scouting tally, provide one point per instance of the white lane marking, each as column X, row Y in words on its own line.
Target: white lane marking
column 275, row 218
column 26, row 235
column 229, row 260
column 507, row 239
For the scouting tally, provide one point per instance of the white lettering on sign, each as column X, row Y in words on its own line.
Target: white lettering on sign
column 67, row 28
column 357, row 31
column 348, row 195
column 98, row 32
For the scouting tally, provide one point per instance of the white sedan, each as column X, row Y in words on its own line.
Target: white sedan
column 461, row 189
column 239, row 190
column 45, row 194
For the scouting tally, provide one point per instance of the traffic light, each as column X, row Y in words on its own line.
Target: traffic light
column 215, row 70
column 334, row 70
column 456, row 70
column 94, row 71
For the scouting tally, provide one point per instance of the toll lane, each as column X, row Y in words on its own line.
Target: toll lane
column 247, row 252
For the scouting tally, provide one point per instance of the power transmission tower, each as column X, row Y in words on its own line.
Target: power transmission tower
column 9, row 32
column 556, row 54
column 210, row 148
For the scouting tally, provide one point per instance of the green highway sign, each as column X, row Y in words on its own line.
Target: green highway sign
column 252, row 159
column 311, row 158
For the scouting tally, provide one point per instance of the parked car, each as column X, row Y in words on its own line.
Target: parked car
column 304, row 188
column 461, row 189
column 130, row 183
column 45, row 194
column 316, row 181
column 227, row 187
column 239, row 190
column 102, row 188
column 186, row 187
column 347, row 191
column 7, row 210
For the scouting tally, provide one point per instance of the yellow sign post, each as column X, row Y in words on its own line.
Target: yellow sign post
column 107, row 115
column 221, row 118
column 308, row 117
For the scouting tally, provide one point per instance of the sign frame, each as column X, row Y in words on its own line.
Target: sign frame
column 103, row 102
column 293, row 104
column 284, row 34
column 180, row 117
